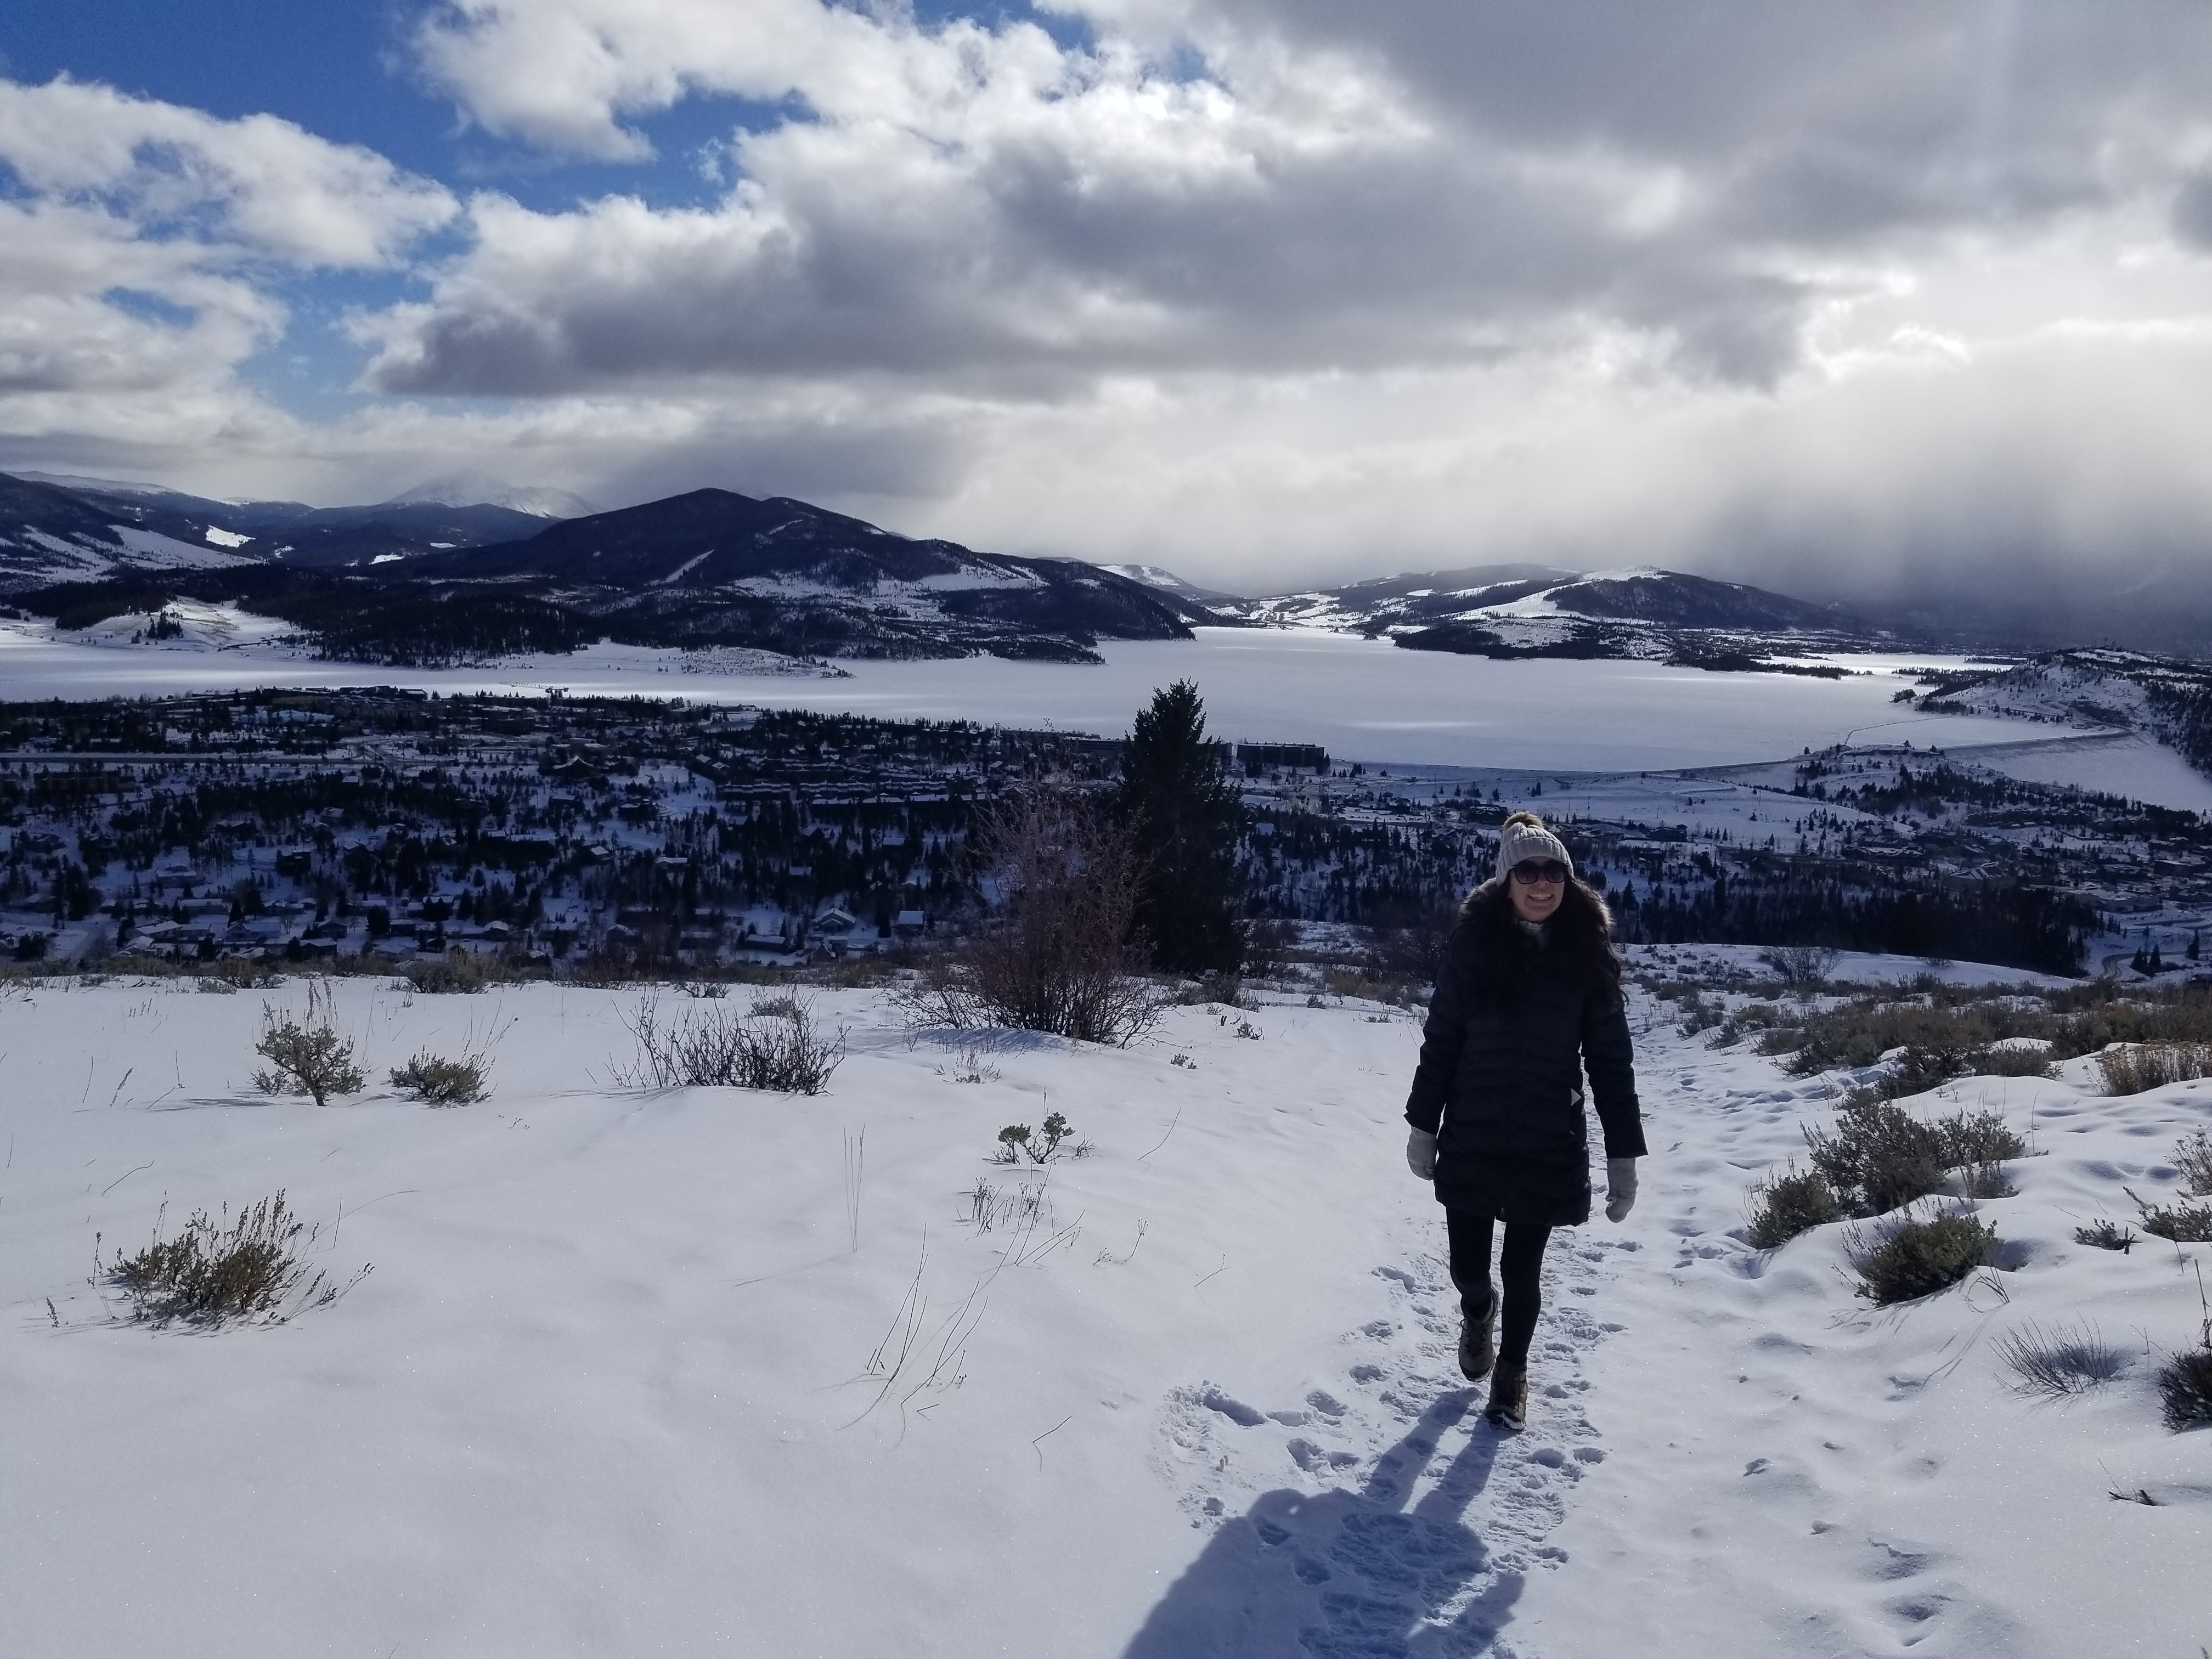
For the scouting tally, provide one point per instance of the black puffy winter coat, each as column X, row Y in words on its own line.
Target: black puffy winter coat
column 1514, row 1021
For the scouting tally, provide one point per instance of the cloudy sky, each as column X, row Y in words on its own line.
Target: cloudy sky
column 1269, row 291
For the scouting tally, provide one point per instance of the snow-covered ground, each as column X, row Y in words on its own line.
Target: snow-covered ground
column 1360, row 699
column 703, row 1370
column 2130, row 764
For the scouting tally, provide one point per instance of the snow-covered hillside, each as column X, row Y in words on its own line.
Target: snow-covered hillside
column 709, row 1370
column 1637, row 613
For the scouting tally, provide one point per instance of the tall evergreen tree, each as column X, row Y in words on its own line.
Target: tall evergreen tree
column 1184, row 814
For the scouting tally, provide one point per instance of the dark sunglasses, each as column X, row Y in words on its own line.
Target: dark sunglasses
column 1529, row 872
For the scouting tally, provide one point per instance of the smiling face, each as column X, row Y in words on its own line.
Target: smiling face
column 1537, row 900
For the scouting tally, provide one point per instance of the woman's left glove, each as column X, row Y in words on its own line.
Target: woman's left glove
column 1421, row 1154
column 1619, row 1187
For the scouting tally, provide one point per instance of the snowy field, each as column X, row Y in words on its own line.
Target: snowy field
column 2128, row 764
column 1360, row 699
column 700, row 1371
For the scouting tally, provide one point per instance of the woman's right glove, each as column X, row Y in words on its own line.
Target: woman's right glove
column 1421, row 1154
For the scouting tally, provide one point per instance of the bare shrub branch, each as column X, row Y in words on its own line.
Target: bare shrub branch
column 774, row 1046
column 2192, row 1156
column 1063, row 954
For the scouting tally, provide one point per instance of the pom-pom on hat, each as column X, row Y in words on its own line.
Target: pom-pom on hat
column 1523, row 836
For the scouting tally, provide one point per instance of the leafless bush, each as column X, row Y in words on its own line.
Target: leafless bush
column 1802, row 968
column 1268, row 942
column 2129, row 1068
column 2185, row 1387
column 1356, row 983
column 1063, row 954
column 307, row 1056
column 716, row 1047
column 1410, row 940
column 1222, row 989
column 208, row 1275
column 2106, row 1236
column 1698, row 1014
column 2053, row 1364
column 2182, row 1224
column 437, row 1081
column 1923, row 1066
column 2185, row 1382
column 458, row 973
column 2192, row 1156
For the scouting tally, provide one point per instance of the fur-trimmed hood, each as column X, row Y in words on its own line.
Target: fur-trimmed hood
column 1500, row 948
column 1491, row 897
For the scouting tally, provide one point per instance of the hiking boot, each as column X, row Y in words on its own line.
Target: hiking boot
column 1508, row 1395
column 1477, row 1345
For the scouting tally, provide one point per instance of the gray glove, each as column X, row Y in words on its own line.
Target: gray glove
column 1619, row 1187
column 1421, row 1154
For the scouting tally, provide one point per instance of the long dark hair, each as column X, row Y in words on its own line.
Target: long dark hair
column 1582, row 926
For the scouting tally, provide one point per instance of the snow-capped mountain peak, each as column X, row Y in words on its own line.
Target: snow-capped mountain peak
column 1151, row 575
column 483, row 490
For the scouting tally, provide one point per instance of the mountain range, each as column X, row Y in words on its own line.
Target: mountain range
column 468, row 567
column 1510, row 610
column 422, row 578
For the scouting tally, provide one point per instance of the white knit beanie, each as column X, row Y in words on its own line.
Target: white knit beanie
column 1523, row 836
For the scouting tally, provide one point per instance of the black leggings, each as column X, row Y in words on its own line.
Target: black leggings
column 1521, row 1265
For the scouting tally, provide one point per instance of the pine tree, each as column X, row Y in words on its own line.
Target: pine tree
column 1183, row 814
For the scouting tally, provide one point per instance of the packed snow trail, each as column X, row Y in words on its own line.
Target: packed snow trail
column 1429, row 1556
column 1781, row 1467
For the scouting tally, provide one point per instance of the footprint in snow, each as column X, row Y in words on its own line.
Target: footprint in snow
column 1426, row 1555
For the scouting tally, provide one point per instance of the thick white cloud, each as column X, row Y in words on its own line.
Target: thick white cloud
column 137, row 241
column 258, row 185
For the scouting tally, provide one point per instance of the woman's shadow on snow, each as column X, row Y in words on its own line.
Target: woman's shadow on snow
column 1345, row 1575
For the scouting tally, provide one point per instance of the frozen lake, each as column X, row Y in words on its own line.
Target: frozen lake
column 1360, row 699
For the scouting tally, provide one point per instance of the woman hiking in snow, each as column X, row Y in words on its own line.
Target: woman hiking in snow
column 1529, row 996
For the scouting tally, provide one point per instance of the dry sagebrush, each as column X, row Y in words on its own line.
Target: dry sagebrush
column 774, row 1046
column 307, row 1056
column 253, row 1271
